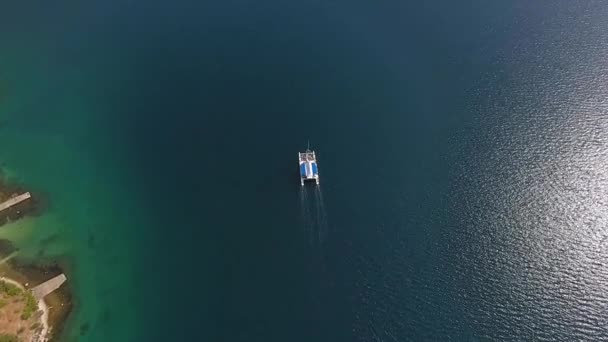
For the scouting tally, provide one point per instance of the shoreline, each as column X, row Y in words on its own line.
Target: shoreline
column 34, row 206
column 58, row 304
column 44, row 318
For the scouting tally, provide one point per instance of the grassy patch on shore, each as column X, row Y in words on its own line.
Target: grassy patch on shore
column 31, row 306
column 9, row 289
column 20, row 315
column 8, row 338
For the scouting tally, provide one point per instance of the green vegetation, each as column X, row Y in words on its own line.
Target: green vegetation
column 8, row 338
column 19, row 313
column 11, row 290
column 31, row 305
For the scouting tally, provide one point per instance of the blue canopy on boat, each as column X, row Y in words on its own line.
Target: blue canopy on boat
column 308, row 170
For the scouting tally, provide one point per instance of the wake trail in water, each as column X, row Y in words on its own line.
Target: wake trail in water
column 313, row 215
column 321, row 215
column 305, row 212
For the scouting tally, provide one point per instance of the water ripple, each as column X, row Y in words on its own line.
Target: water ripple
column 523, row 253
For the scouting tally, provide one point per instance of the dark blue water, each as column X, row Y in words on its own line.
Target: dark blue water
column 462, row 150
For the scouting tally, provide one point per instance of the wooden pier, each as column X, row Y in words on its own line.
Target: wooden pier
column 14, row 200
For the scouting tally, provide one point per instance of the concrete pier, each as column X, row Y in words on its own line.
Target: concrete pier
column 15, row 200
column 48, row 286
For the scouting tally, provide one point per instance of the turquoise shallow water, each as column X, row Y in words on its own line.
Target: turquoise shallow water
column 52, row 148
column 165, row 135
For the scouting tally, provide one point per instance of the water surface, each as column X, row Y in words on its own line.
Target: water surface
column 461, row 149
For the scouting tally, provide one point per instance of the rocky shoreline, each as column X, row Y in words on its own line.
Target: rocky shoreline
column 35, row 206
column 59, row 302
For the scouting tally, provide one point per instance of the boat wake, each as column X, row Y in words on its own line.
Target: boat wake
column 313, row 215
